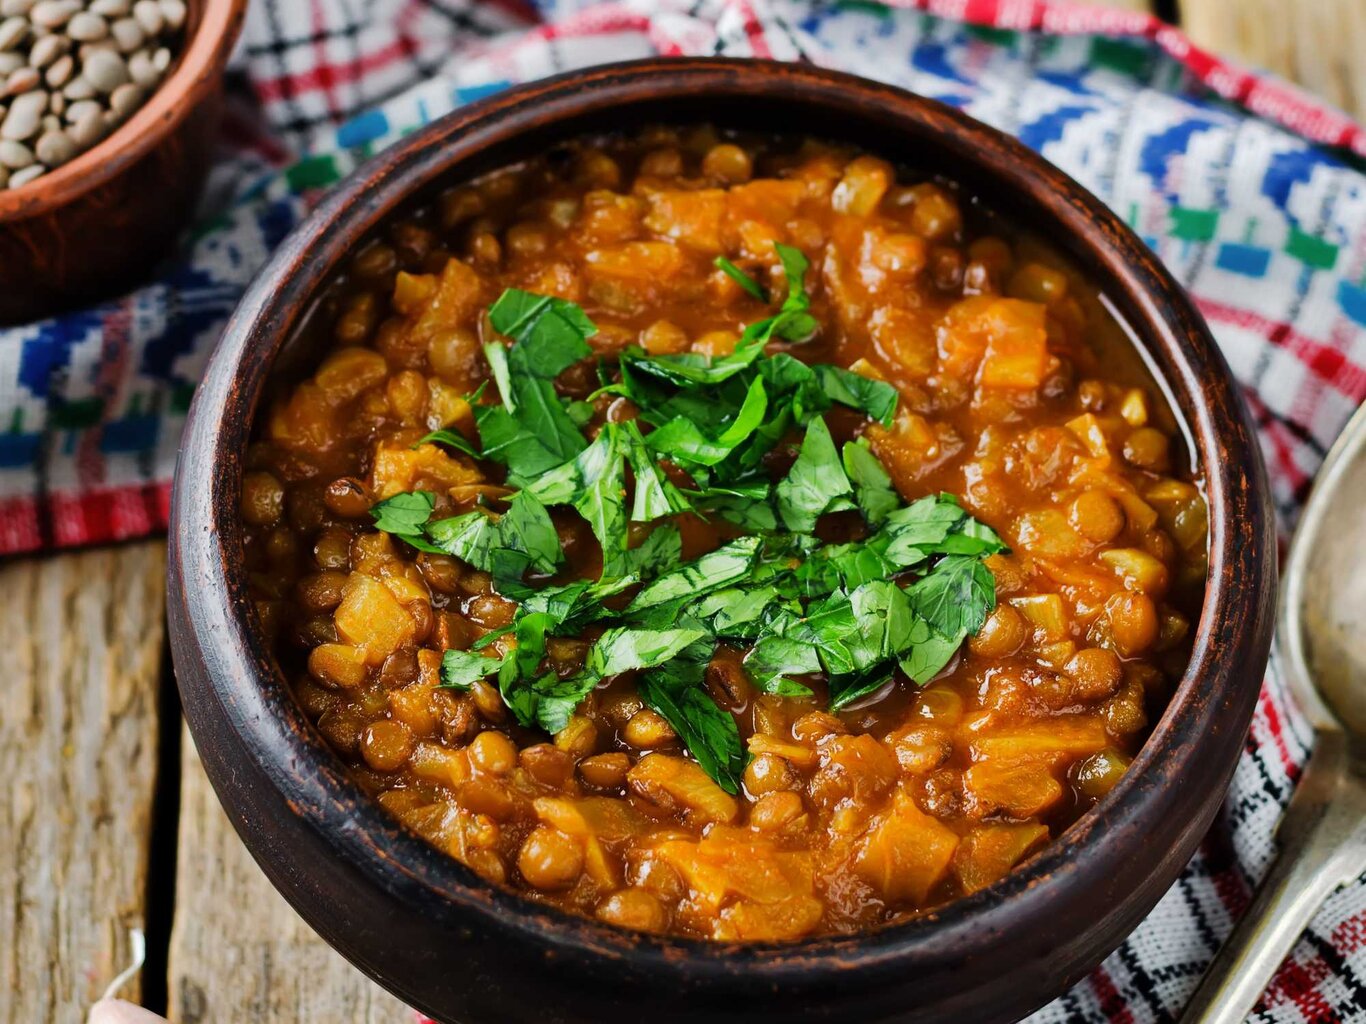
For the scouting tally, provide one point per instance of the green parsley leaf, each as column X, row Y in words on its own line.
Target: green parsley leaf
column 876, row 398
column 681, row 441
column 708, row 731
column 559, row 326
column 451, row 438
column 661, row 550
column 594, row 482
column 816, row 484
column 747, row 283
column 654, row 495
column 461, row 669
column 929, row 653
column 405, row 516
column 506, row 546
column 623, row 649
column 712, row 571
column 518, row 678
column 773, row 658
column 873, row 489
column 956, row 596
column 532, row 431
column 497, row 356
column 557, row 698
column 847, row 690
column 601, row 498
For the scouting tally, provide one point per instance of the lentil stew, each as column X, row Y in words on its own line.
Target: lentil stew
column 658, row 612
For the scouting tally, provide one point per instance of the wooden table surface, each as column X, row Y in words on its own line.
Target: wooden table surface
column 111, row 823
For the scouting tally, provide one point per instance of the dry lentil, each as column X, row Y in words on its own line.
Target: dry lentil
column 87, row 66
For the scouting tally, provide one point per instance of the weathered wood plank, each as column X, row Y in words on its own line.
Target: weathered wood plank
column 1317, row 43
column 82, row 641
column 239, row 954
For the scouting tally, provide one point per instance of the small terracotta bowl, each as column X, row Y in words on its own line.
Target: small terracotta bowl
column 96, row 225
column 460, row 949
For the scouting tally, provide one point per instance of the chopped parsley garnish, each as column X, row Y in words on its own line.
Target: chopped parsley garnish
column 901, row 597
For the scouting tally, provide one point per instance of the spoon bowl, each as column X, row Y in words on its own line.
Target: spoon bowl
column 1321, row 634
column 1323, row 616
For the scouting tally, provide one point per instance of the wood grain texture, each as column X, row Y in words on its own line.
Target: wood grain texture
column 82, row 641
column 239, row 954
column 1321, row 44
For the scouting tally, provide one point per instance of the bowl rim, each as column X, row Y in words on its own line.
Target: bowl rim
column 253, row 695
column 192, row 78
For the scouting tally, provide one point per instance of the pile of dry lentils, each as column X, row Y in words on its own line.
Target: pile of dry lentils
column 73, row 70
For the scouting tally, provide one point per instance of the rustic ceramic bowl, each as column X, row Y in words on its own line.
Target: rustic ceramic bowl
column 96, row 225
column 462, row 950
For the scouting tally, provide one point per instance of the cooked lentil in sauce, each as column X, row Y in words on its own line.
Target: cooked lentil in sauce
column 791, row 736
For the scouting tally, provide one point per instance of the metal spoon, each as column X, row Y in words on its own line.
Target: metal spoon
column 1322, row 638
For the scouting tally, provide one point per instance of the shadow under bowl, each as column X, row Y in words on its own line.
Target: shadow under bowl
column 461, row 949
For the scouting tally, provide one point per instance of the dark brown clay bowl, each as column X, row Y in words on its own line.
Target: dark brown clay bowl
column 98, row 224
column 462, row 950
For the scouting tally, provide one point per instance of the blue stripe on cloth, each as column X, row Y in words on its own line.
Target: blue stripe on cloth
column 18, row 450
column 1248, row 260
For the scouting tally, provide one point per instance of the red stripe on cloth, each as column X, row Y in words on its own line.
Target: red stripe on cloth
column 1350, row 935
column 324, row 77
column 1275, row 728
column 599, row 20
column 1298, row 983
column 325, row 71
column 1285, row 447
column 754, row 30
column 107, row 514
column 1331, row 364
column 1228, row 884
column 1263, row 95
column 19, row 531
column 1111, row 1002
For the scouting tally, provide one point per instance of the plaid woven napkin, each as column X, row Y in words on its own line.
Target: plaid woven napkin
column 1247, row 189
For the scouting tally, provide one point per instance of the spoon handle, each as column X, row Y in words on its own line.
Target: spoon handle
column 1314, row 834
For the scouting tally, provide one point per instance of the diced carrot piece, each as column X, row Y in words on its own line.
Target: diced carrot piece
column 854, row 768
column 436, row 763
column 1017, row 346
column 690, row 218
column 1046, row 533
column 962, row 336
column 674, row 783
column 1045, row 613
column 605, row 817
column 412, row 292
column 427, row 467
column 743, row 887
column 1061, row 738
column 370, row 617
column 592, row 820
column 307, row 420
column 1091, row 432
column 348, row 372
column 655, row 262
column 774, row 200
column 906, row 852
column 1005, row 337
column 459, row 295
column 412, row 705
column 988, row 853
column 1020, row 790
column 800, row 755
column 904, row 340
